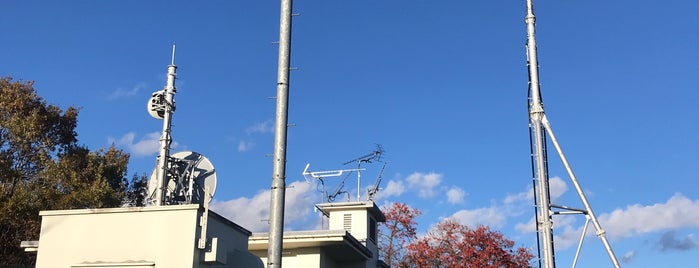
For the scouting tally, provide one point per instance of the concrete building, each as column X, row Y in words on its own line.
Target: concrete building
column 350, row 241
column 170, row 236
column 139, row 237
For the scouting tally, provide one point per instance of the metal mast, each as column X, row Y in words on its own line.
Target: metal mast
column 165, row 139
column 540, row 126
column 276, row 230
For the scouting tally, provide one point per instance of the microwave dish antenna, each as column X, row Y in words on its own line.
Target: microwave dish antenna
column 190, row 179
column 156, row 105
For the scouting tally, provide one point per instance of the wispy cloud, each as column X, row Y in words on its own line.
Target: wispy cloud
column 669, row 242
column 253, row 213
column 121, row 93
column 261, row 127
column 246, row 145
column 146, row 145
column 629, row 256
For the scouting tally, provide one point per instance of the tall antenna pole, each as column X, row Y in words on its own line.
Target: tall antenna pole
column 539, row 125
column 536, row 115
column 276, row 229
column 165, row 139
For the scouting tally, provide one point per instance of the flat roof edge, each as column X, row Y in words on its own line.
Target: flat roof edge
column 116, row 210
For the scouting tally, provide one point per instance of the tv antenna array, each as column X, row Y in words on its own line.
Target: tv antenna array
column 339, row 189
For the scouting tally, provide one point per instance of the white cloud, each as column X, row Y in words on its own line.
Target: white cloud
column 261, row 127
column 425, row 184
column 244, row 146
column 557, row 187
column 455, row 195
column 126, row 93
column 565, row 235
column 678, row 212
column 147, row 145
column 628, row 257
column 253, row 213
column 490, row 216
column 528, row 227
column 393, row 188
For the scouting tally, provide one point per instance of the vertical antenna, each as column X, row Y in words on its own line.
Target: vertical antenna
column 540, row 126
column 536, row 113
column 274, row 253
column 165, row 139
column 173, row 54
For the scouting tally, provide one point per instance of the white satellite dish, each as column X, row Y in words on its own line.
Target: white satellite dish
column 189, row 178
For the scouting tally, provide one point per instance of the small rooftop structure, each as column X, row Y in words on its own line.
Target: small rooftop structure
column 350, row 240
column 157, row 236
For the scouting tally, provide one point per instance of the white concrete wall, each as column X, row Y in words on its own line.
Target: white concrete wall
column 164, row 236
column 296, row 258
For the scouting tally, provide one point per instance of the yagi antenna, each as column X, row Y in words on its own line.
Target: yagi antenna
column 371, row 192
column 374, row 155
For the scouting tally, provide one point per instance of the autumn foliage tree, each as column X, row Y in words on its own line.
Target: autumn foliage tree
column 397, row 232
column 42, row 167
column 448, row 244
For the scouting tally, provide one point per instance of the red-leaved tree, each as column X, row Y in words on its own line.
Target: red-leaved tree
column 451, row 244
column 397, row 232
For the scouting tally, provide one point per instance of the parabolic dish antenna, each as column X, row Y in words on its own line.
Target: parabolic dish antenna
column 189, row 174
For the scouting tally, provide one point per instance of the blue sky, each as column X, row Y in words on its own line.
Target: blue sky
column 442, row 85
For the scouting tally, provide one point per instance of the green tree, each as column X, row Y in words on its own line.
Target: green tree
column 137, row 191
column 43, row 167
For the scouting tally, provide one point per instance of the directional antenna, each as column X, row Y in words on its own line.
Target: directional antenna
column 190, row 178
column 371, row 192
column 368, row 158
column 310, row 176
column 156, row 105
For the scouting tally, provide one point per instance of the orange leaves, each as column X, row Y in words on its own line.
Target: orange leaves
column 448, row 244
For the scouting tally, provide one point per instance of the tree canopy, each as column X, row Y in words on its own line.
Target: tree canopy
column 42, row 167
column 448, row 244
